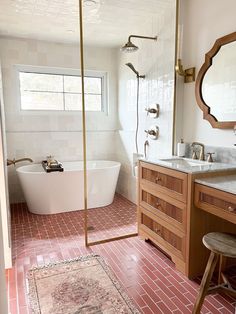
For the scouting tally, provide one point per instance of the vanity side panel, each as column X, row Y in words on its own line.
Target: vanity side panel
column 196, row 229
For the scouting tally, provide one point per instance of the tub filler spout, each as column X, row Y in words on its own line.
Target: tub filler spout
column 14, row 161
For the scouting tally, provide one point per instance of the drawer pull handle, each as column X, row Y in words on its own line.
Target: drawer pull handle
column 157, row 230
column 158, row 204
column 231, row 209
column 158, row 179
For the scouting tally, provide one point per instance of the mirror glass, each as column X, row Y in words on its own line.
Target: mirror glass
column 219, row 84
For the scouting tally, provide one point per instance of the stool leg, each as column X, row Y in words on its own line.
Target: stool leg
column 211, row 264
column 220, row 269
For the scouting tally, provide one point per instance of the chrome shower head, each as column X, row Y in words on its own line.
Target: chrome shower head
column 130, row 65
column 131, row 47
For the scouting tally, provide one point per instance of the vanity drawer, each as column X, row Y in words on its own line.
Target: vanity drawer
column 216, row 202
column 171, row 242
column 163, row 206
column 173, row 183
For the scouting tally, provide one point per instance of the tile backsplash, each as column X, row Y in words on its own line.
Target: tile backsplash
column 221, row 154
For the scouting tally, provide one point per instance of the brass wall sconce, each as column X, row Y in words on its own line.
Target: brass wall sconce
column 188, row 74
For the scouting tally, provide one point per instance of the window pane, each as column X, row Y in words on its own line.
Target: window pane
column 41, row 101
column 93, row 102
column 59, row 92
column 41, row 82
column 93, row 85
column 72, row 84
column 73, row 102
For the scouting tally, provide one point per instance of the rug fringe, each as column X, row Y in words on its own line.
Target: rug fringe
column 65, row 261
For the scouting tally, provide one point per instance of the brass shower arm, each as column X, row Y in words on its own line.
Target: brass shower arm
column 143, row 37
column 131, row 47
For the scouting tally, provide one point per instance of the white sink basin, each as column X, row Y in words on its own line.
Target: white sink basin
column 186, row 162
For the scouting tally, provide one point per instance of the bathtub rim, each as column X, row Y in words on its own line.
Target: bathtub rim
column 115, row 164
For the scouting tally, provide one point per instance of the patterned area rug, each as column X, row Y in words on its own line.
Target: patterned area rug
column 85, row 285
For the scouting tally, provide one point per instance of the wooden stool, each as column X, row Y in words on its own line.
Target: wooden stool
column 220, row 244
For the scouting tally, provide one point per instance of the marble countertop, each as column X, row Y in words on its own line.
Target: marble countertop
column 189, row 165
column 223, row 183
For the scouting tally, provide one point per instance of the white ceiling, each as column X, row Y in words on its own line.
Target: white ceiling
column 106, row 23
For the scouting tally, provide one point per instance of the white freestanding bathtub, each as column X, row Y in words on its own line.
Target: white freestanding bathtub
column 56, row 192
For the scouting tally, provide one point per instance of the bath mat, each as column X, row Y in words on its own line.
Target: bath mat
column 85, row 285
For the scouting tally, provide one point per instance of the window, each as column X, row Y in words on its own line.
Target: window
column 43, row 91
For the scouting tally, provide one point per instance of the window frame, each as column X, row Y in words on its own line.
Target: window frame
column 66, row 72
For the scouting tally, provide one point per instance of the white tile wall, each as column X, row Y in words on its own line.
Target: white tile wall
column 109, row 136
column 156, row 61
column 36, row 135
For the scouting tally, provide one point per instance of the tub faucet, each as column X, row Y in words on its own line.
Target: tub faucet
column 146, row 145
column 202, row 154
column 14, row 161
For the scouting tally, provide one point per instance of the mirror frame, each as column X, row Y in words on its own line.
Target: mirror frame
column 199, row 81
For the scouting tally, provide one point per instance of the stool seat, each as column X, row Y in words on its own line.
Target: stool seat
column 221, row 243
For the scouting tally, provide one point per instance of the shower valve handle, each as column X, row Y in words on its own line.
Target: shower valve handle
column 150, row 132
column 153, row 132
column 153, row 111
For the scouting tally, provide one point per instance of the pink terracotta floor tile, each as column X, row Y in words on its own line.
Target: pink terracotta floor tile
column 149, row 277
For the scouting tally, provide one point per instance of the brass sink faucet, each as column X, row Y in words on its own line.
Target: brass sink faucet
column 14, row 161
column 202, row 151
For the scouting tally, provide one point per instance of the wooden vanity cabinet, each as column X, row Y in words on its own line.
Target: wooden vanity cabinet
column 175, row 213
column 162, row 210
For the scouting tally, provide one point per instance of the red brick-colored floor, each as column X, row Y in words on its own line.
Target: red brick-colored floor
column 148, row 275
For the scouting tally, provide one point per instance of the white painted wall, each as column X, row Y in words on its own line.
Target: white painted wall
column 204, row 22
column 156, row 61
column 37, row 135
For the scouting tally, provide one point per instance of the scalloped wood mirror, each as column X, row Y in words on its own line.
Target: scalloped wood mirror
column 215, row 87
